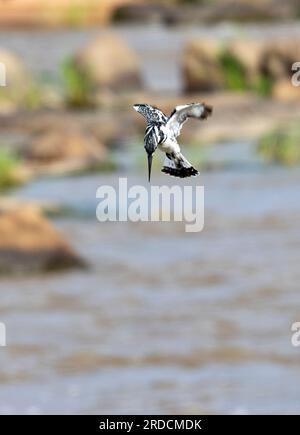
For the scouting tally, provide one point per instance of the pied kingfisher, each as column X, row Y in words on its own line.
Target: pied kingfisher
column 162, row 132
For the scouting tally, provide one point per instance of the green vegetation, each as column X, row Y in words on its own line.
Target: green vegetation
column 281, row 146
column 233, row 71
column 9, row 164
column 262, row 86
column 30, row 99
column 235, row 76
column 33, row 97
column 77, row 85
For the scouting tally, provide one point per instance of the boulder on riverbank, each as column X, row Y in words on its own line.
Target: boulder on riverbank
column 241, row 64
column 20, row 90
column 105, row 65
column 201, row 70
column 64, row 150
column 14, row 81
column 29, row 243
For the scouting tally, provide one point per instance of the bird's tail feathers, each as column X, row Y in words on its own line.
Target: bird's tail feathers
column 178, row 166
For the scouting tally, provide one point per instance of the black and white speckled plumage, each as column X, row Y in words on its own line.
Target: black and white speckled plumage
column 151, row 113
column 162, row 132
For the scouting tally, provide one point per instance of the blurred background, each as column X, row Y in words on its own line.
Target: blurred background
column 143, row 317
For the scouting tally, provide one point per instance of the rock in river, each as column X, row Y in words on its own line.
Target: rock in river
column 29, row 243
column 64, row 150
column 109, row 64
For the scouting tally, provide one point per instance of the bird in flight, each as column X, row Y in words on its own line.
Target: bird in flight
column 162, row 132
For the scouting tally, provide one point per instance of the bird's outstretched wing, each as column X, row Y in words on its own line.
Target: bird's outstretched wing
column 181, row 113
column 178, row 166
column 152, row 114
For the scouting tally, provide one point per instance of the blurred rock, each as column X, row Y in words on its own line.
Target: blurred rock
column 61, row 151
column 29, row 243
column 252, row 64
column 21, row 90
column 279, row 55
column 201, row 71
column 249, row 52
column 16, row 77
column 109, row 64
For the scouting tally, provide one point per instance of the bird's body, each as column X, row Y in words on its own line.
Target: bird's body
column 162, row 132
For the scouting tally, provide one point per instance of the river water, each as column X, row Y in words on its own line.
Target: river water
column 163, row 321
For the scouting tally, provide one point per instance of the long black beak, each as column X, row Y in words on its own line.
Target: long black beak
column 149, row 166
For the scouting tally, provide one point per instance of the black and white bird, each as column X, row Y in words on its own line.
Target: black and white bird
column 162, row 132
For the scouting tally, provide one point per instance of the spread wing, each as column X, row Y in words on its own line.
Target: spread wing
column 181, row 113
column 152, row 114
